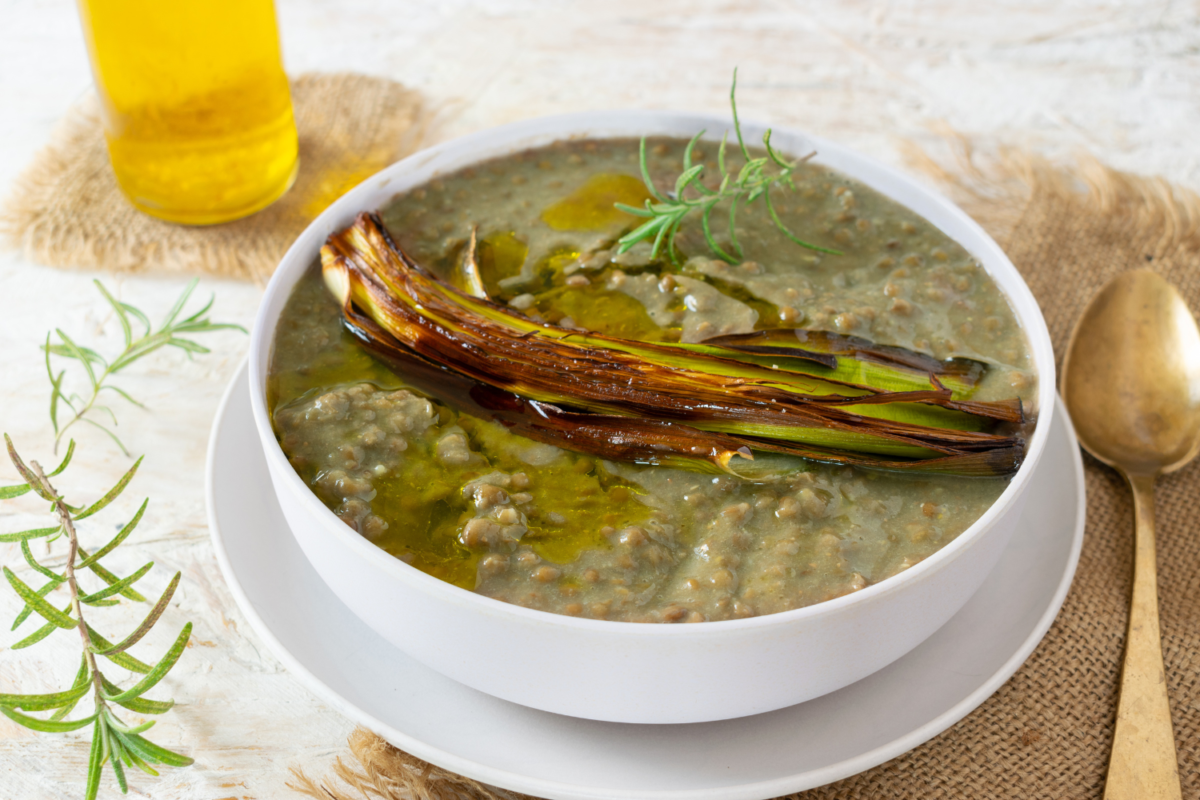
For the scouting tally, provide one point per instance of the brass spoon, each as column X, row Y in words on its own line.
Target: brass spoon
column 1131, row 380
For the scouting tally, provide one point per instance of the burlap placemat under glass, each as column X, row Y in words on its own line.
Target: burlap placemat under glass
column 1047, row 732
column 66, row 210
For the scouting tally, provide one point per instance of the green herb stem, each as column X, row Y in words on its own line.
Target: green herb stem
column 99, row 369
column 113, row 742
column 665, row 214
column 68, row 527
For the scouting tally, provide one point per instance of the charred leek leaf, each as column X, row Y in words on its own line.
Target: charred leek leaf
column 583, row 374
column 644, row 441
column 872, row 364
column 372, row 246
column 785, row 341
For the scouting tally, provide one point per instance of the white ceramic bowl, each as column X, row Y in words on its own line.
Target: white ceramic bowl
column 622, row 671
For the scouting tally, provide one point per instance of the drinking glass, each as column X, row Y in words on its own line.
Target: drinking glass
column 195, row 103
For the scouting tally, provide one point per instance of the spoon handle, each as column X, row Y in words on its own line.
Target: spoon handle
column 1143, row 765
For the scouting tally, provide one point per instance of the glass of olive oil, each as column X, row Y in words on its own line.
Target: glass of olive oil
column 195, row 103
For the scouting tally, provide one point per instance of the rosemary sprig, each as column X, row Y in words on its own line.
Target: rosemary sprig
column 113, row 741
column 99, row 369
column 754, row 180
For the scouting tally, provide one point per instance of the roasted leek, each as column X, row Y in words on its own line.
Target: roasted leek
column 656, row 403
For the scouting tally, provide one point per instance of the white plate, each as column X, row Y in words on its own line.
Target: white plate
column 347, row 665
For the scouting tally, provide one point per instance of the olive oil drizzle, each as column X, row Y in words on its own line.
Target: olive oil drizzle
column 574, row 497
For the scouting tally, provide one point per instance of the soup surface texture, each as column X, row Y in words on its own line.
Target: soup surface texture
column 466, row 501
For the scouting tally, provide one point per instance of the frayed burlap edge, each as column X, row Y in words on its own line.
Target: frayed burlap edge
column 995, row 186
column 1047, row 731
column 66, row 210
column 389, row 773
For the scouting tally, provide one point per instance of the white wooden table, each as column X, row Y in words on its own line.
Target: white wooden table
column 1117, row 79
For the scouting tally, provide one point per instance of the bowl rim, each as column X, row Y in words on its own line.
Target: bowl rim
column 480, row 146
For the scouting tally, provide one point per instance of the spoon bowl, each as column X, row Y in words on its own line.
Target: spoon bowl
column 1131, row 378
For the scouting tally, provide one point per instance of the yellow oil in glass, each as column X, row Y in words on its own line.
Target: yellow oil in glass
column 196, row 106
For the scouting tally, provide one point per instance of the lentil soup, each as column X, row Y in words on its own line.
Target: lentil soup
column 467, row 501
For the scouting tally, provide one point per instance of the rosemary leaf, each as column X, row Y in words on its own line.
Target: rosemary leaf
column 136, row 761
column 708, row 237
column 32, row 533
column 54, row 577
column 152, row 752
column 180, row 303
column 138, row 705
column 121, row 750
column 77, row 352
column 39, row 634
column 147, row 623
column 110, row 578
column 9, row 492
column 25, row 472
column 118, row 307
column 115, row 759
column 39, row 605
column 105, row 743
column 117, row 725
column 44, row 702
column 784, row 229
column 56, row 393
column 116, row 439
column 122, row 392
column 634, row 210
column 73, row 350
column 197, row 318
column 188, row 346
column 160, row 669
column 116, row 540
column 95, row 760
column 117, row 587
column 45, row 725
column 119, row 658
column 112, row 493
column 66, row 460
column 139, row 315
column 82, row 678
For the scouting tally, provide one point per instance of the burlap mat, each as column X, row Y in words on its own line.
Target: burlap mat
column 67, row 211
column 1047, row 732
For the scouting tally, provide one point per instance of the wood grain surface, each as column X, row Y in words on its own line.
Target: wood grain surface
column 1116, row 79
